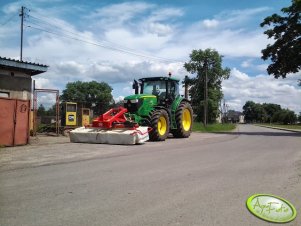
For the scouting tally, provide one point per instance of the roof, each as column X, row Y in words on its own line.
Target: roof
column 22, row 66
column 233, row 113
column 159, row 78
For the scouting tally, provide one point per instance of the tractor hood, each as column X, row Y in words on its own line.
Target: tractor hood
column 140, row 104
column 140, row 96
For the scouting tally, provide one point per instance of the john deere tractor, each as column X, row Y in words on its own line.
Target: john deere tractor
column 158, row 104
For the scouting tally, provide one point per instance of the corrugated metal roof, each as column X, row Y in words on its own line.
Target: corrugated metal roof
column 27, row 67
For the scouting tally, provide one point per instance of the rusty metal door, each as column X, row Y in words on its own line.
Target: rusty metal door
column 21, row 122
column 7, row 118
column 14, row 121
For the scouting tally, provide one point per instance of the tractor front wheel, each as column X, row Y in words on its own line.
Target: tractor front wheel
column 160, row 125
column 183, row 120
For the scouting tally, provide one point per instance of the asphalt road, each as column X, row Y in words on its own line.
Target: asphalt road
column 196, row 181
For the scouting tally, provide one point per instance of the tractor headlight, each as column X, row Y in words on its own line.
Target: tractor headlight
column 134, row 101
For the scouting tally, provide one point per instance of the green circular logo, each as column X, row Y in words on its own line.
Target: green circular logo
column 271, row 208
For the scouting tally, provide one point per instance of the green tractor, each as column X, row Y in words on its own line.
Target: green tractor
column 158, row 105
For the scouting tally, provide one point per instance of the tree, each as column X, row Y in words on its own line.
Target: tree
column 206, row 89
column 270, row 110
column 285, row 116
column 93, row 95
column 260, row 113
column 285, row 53
column 249, row 111
column 51, row 111
column 255, row 112
column 290, row 117
column 41, row 110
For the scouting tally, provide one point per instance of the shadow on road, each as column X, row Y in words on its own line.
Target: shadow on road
column 271, row 134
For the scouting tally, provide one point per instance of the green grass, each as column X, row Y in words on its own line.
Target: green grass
column 211, row 128
column 298, row 127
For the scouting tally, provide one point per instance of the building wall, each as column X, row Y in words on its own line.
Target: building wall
column 241, row 119
column 17, row 85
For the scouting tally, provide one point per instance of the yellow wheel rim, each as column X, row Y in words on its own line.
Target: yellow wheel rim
column 186, row 120
column 162, row 125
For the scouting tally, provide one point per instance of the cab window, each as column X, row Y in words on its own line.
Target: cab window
column 154, row 87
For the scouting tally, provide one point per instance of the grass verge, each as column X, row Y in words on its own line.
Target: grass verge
column 295, row 127
column 211, row 128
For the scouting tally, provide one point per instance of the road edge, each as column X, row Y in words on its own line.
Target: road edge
column 279, row 128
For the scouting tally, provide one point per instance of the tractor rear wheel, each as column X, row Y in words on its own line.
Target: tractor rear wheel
column 160, row 125
column 183, row 120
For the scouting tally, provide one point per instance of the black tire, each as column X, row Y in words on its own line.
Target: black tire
column 183, row 128
column 159, row 131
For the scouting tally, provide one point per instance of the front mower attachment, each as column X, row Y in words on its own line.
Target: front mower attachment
column 112, row 136
column 112, row 127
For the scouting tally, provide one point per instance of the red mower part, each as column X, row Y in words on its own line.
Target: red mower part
column 114, row 118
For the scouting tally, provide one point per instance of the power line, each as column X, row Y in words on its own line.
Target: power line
column 51, row 24
column 41, row 24
column 39, row 21
column 97, row 44
column 59, row 26
column 77, row 37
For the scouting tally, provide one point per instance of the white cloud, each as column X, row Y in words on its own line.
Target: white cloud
column 118, row 99
column 247, row 63
column 46, row 99
column 115, row 15
column 125, row 10
column 237, row 17
column 113, row 73
column 150, row 41
column 229, row 42
column 70, row 67
column 262, row 67
column 42, row 83
column 160, row 29
column 240, row 88
column 165, row 14
column 231, row 39
column 210, row 23
column 232, row 18
column 239, row 75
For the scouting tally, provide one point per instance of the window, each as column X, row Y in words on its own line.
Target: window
column 71, row 107
column 173, row 89
column 154, row 87
column 4, row 94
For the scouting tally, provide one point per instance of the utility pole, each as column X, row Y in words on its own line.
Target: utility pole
column 225, row 118
column 206, row 96
column 186, row 87
column 22, row 20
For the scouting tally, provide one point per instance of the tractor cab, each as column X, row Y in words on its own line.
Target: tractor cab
column 166, row 89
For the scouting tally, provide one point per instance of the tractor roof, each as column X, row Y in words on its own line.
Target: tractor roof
column 159, row 78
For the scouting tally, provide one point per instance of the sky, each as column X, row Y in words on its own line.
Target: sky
column 118, row 41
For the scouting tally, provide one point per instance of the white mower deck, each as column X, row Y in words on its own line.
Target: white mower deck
column 110, row 136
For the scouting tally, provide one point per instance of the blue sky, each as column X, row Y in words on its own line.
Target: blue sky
column 133, row 39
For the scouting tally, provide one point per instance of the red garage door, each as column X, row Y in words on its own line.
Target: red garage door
column 14, row 121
